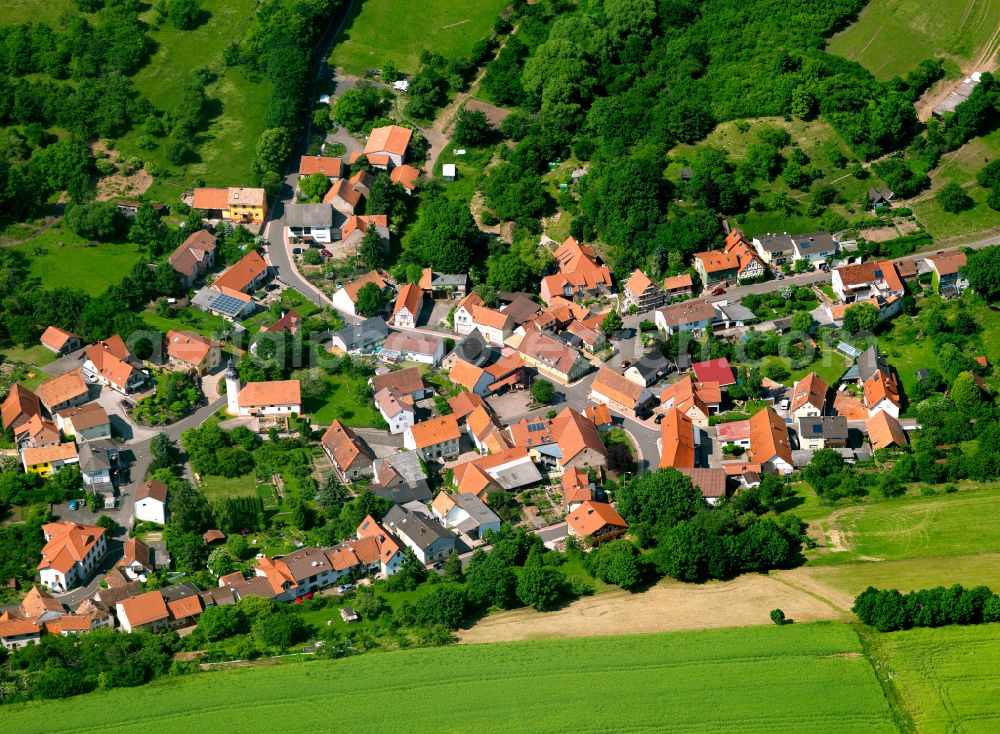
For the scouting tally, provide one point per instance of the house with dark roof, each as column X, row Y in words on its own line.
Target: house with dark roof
column 472, row 348
column 359, row 338
column 313, row 222
column 444, row 285
column 822, row 432
column 465, row 514
column 412, row 347
column 429, row 540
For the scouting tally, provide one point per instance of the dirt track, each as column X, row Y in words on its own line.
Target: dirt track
column 744, row 601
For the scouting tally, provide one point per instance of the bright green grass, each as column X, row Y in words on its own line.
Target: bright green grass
column 340, row 403
column 911, row 573
column 816, row 139
column 36, row 355
column 762, row 679
column 216, row 488
column 398, row 30
column 830, row 365
column 226, row 149
column 893, row 36
column 945, row 679
column 917, row 526
column 194, row 320
column 961, row 167
column 61, row 259
column 35, row 11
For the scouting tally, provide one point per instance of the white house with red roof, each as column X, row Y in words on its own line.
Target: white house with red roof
column 151, row 503
column 642, row 292
column 406, row 309
column 580, row 274
column 71, row 554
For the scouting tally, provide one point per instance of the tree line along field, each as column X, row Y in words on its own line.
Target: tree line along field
column 702, row 681
column 448, row 27
column 960, row 30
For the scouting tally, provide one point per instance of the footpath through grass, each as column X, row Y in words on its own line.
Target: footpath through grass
column 760, row 679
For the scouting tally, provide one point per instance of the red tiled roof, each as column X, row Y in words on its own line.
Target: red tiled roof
column 331, row 167
column 277, row 392
column 714, row 370
column 71, row 385
column 405, row 175
column 676, row 440
column 434, row 431
column 56, row 338
column 591, row 516
column 388, row 139
column 242, row 274
column 188, row 347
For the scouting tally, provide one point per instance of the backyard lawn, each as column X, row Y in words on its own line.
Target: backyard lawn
column 61, row 259
column 188, row 319
column 36, row 355
column 449, row 27
column 340, row 403
column 829, row 365
column 216, row 488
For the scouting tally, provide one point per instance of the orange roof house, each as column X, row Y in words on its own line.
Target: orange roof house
column 769, row 443
column 599, row 415
column 882, row 393
column 71, row 552
column 349, row 455
column 245, row 274
column 289, row 322
column 677, row 447
column 618, row 391
column 38, row 431
column 576, row 488
column 472, row 378
column 809, row 396
column 596, row 521
column 464, row 403
column 47, row 460
column 685, row 396
column 406, row 176
column 407, row 307
column 678, row 285
column 19, row 406
column 642, row 292
column 716, row 265
column 259, row 395
column 59, row 340
column 70, row 388
column 434, row 432
column 884, row 430
column 578, row 440
column 191, row 349
column 579, row 273
column 329, row 167
column 386, row 146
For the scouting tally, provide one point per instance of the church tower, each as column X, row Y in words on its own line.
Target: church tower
column 232, row 389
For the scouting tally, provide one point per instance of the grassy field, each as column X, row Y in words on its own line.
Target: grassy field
column 46, row 11
column 194, row 320
column 61, row 259
column 961, row 167
column 654, row 682
column 36, row 355
column 216, row 488
column 957, row 29
column 816, row 139
column 945, row 679
column 830, row 365
column 340, row 403
column 226, row 149
column 449, row 27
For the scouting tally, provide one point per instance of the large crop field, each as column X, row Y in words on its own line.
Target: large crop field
column 946, row 679
column 892, row 36
column 761, row 679
column 398, row 30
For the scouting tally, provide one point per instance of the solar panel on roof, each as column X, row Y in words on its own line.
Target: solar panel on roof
column 533, row 427
column 227, row 304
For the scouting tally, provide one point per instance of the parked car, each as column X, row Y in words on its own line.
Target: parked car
column 779, row 276
column 344, row 588
column 326, row 254
column 784, row 404
column 296, row 250
column 74, row 505
column 718, row 291
column 659, row 419
column 625, row 364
